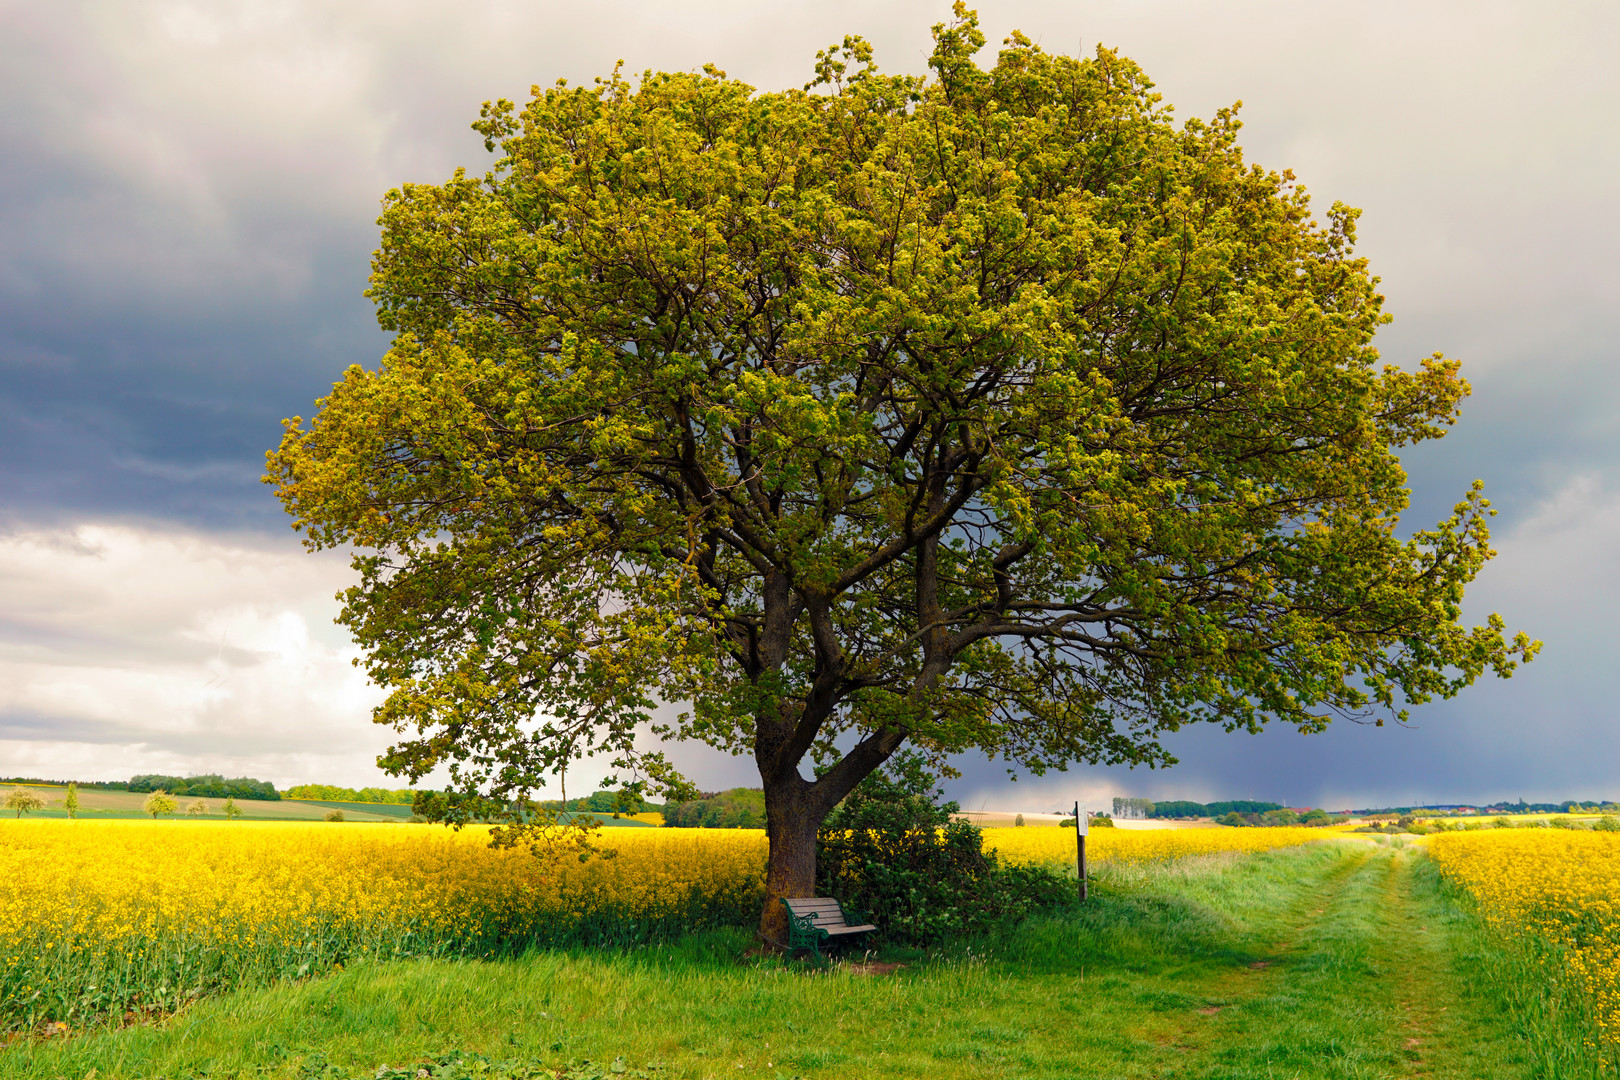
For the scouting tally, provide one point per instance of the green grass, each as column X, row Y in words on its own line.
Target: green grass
column 1336, row 960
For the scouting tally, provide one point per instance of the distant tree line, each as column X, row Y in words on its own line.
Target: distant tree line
column 1567, row 806
column 1132, row 808
column 209, row 785
column 1180, row 809
column 331, row 793
column 1279, row 817
column 604, row 802
column 92, row 785
column 739, row 808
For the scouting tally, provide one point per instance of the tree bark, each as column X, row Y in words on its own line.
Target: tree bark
column 791, row 822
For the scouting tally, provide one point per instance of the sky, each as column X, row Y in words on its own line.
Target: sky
column 188, row 196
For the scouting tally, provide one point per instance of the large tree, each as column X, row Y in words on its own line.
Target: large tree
column 984, row 410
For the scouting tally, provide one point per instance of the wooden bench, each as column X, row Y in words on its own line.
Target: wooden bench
column 815, row 919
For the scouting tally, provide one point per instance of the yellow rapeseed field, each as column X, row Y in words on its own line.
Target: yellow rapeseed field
column 97, row 918
column 1560, row 884
column 1056, row 845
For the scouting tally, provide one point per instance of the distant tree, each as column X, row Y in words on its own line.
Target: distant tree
column 160, row 802
column 70, row 802
column 334, row 815
column 1314, row 816
column 232, row 811
column 1019, row 821
column 195, row 807
column 1607, row 823
column 23, row 801
column 1233, row 818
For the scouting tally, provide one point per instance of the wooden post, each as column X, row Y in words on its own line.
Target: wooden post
column 1080, row 847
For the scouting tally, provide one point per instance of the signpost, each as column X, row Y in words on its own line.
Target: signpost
column 1080, row 846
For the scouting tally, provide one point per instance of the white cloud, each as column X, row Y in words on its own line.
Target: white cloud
column 127, row 650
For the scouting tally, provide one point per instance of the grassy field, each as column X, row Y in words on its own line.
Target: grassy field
column 1337, row 959
column 118, row 805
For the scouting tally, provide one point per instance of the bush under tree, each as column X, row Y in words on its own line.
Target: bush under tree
column 893, row 852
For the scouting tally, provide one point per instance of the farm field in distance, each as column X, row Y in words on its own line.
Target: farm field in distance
column 273, row 948
column 101, row 805
column 112, row 805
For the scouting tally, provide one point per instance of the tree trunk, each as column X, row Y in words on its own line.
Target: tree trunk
column 792, row 816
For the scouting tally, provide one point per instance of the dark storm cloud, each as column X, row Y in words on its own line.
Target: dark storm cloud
column 188, row 190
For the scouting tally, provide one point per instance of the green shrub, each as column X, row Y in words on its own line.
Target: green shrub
column 892, row 852
column 1607, row 823
column 334, row 815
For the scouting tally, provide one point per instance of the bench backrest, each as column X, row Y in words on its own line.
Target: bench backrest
column 824, row 909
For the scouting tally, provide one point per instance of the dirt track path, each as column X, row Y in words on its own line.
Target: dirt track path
column 1360, row 979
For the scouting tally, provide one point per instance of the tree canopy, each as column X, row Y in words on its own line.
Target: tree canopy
column 989, row 410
